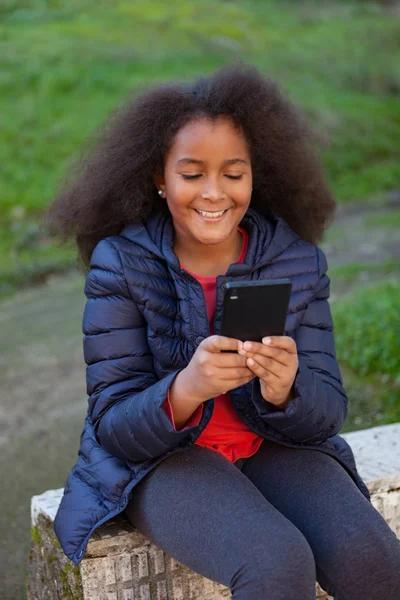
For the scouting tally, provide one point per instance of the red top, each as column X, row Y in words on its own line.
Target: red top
column 225, row 432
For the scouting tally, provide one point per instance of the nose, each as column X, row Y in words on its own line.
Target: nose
column 213, row 192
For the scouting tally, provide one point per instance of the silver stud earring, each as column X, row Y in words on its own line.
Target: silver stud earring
column 160, row 192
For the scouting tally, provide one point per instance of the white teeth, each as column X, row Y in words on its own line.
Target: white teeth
column 210, row 215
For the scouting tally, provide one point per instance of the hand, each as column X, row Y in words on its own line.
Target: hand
column 275, row 362
column 212, row 372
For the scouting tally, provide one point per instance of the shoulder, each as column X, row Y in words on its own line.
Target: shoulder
column 310, row 268
column 106, row 255
column 306, row 265
column 114, row 252
column 322, row 261
column 123, row 263
column 305, row 257
column 106, row 275
column 301, row 248
column 313, row 254
column 108, row 265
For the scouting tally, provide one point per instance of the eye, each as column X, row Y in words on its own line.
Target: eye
column 235, row 176
column 191, row 176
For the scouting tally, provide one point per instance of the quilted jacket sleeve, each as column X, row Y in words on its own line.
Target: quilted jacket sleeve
column 125, row 396
column 319, row 405
column 194, row 419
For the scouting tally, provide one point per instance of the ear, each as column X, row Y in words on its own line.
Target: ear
column 159, row 182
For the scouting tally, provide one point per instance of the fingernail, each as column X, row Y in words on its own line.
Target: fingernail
column 251, row 362
column 247, row 345
column 266, row 340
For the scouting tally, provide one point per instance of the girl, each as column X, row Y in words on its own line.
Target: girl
column 228, row 461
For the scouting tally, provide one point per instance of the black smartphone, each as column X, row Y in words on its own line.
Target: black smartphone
column 255, row 309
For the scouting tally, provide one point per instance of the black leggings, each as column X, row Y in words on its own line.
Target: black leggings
column 270, row 526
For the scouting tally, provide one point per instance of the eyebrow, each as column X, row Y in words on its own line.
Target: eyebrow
column 231, row 161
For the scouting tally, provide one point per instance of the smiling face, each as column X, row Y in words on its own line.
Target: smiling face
column 207, row 183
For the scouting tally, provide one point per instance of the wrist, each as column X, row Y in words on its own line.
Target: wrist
column 284, row 404
column 280, row 405
column 183, row 386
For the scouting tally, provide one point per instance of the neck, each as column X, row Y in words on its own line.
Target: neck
column 213, row 259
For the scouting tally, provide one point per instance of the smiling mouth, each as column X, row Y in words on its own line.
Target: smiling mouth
column 211, row 215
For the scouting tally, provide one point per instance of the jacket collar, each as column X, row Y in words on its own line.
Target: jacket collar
column 269, row 236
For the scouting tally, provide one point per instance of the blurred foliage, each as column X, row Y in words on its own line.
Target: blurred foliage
column 66, row 65
column 391, row 219
column 358, row 272
column 30, row 254
column 367, row 326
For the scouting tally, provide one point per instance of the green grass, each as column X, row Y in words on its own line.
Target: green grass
column 372, row 344
column 348, row 273
column 391, row 219
column 65, row 66
column 367, row 326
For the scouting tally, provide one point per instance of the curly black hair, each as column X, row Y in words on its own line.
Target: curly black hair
column 113, row 184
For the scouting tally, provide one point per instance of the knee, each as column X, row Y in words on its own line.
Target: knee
column 297, row 566
column 371, row 562
column 283, row 568
column 379, row 561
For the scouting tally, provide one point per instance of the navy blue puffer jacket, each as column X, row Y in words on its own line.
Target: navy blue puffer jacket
column 143, row 320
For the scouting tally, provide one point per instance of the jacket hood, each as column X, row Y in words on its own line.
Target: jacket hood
column 268, row 237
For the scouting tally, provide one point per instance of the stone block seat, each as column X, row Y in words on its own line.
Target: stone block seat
column 121, row 564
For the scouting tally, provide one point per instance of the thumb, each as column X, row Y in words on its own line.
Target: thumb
column 217, row 343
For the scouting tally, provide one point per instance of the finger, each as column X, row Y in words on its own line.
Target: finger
column 281, row 341
column 234, row 374
column 250, row 349
column 216, row 343
column 229, row 360
column 231, row 385
column 244, row 381
column 263, row 373
column 269, row 365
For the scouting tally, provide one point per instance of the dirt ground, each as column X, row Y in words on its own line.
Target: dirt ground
column 43, row 388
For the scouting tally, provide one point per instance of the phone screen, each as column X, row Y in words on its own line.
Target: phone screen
column 255, row 309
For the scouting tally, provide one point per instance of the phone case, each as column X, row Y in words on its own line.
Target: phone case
column 255, row 309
